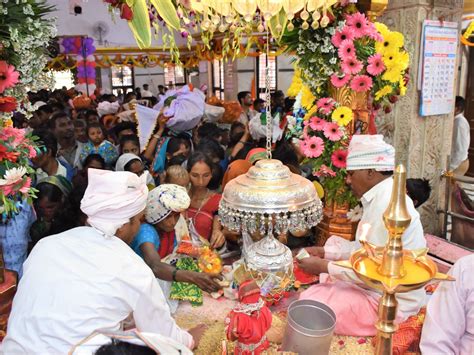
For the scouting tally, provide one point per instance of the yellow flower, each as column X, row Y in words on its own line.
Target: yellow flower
column 307, row 97
column 396, row 60
column 383, row 30
column 311, row 112
column 392, row 41
column 402, row 86
column 386, row 90
column 392, row 75
column 296, row 84
column 342, row 115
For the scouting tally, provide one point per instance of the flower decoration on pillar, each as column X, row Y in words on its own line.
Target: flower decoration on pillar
column 355, row 68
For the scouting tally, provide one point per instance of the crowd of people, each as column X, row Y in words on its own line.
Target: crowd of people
column 108, row 214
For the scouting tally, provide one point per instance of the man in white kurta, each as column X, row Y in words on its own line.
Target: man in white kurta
column 368, row 159
column 449, row 321
column 88, row 278
column 461, row 139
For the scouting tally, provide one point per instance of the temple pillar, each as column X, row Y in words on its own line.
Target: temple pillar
column 422, row 143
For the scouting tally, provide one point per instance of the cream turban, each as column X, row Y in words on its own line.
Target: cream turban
column 112, row 198
column 165, row 199
column 124, row 159
column 370, row 152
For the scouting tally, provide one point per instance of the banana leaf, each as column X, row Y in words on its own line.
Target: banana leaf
column 140, row 24
column 167, row 12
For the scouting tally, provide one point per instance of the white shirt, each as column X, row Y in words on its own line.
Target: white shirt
column 375, row 202
column 41, row 174
column 461, row 141
column 80, row 281
column 449, row 322
column 147, row 93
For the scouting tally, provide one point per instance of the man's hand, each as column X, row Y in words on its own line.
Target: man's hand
column 316, row 251
column 313, row 265
column 197, row 332
column 206, row 282
column 162, row 119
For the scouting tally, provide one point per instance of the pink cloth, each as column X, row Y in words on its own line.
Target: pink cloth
column 356, row 311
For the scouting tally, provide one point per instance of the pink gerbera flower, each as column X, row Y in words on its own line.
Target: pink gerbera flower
column 361, row 83
column 340, row 36
column 338, row 158
column 332, row 131
column 358, row 24
column 324, row 170
column 372, row 32
column 317, row 123
column 325, row 105
column 8, row 76
column 376, row 66
column 313, row 147
column 351, row 66
column 339, row 82
column 347, row 50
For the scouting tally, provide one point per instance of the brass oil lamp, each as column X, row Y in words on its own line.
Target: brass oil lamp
column 391, row 269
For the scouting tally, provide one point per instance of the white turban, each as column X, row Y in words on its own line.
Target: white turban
column 107, row 108
column 370, row 152
column 165, row 199
column 112, row 198
column 258, row 130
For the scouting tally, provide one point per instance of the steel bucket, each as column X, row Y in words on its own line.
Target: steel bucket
column 309, row 328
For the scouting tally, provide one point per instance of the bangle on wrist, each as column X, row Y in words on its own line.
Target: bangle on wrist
column 157, row 135
column 242, row 142
column 174, row 275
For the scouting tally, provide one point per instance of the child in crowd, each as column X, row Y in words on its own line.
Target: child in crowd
column 99, row 145
column 129, row 144
column 178, row 175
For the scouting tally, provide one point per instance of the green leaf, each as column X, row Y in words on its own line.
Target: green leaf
column 140, row 24
column 167, row 12
column 278, row 19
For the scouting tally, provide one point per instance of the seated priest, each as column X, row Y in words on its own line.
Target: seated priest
column 370, row 165
column 449, row 321
column 156, row 239
column 88, row 279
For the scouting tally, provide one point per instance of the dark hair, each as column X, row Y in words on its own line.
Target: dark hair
column 198, row 157
column 79, row 122
column 208, row 129
column 174, row 144
column 45, row 108
column 285, row 152
column 94, row 157
column 50, row 191
column 161, row 87
column 386, row 173
column 129, row 138
column 75, row 198
column 129, row 164
column 258, row 101
column 460, row 103
column 211, row 148
column 145, row 85
column 56, row 105
column 217, row 175
column 241, row 95
column 92, row 113
column 289, row 102
column 176, row 160
column 129, row 96
column 122, row 126
column 419, row 190
column 47, row 139
column 56, row 116
column 235, row 137
column 277, row 94
column 117, row 347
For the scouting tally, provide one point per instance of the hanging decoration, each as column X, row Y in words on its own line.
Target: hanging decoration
column 347, row 70
column 231, row 19
column 83, row 48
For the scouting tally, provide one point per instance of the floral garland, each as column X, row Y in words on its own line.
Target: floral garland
column 349, row 52
column 24, row 35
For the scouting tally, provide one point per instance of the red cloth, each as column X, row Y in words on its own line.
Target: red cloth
column 203, row 218
column 166, row 243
